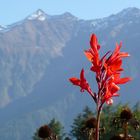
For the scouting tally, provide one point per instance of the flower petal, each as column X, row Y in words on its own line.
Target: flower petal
column 114, row 88
column 124, row 54
column 94, row 43
column 82, row 77
column 109, row 101
column 75, row 81
column 123, row 80
column 116, row 65
column 88, row 55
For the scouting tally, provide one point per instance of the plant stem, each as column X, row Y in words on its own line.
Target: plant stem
column 125, row 130
column 97, row 134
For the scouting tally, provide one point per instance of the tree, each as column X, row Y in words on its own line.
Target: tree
column 107, row 122
column 55, row 129
column 35, row 136
column 79, row 124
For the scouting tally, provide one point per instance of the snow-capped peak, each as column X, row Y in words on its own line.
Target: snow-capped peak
column 39, row 14
column 2, row 27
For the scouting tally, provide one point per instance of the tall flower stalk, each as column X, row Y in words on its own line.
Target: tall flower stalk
column 107, row 69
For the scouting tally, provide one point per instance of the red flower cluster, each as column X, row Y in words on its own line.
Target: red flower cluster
column 107, row 69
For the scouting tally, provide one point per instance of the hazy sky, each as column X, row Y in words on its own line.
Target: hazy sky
column 15, row 10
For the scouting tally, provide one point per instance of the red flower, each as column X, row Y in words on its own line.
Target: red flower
column 118, row 80
column 112, row 70
column 93, row 55
column 82, row 82
column 114, row 62
column 110, row 90
column 111, row 87
column 108, row 71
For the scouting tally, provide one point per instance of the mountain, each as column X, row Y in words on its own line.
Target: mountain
column 40, row 53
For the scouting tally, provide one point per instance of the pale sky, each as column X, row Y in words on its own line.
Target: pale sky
column 15, row 10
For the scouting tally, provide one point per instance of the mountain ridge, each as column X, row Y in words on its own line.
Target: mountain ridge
column 40, row 12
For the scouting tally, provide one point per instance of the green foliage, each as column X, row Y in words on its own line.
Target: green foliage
column 35, row 137
column 56, row 127
column 107, row 116
column 79, row 122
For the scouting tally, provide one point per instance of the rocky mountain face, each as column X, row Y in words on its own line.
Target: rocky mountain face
column 27, row 47
column 40, row 53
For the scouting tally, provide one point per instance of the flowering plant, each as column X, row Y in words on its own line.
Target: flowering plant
column 107, row 69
